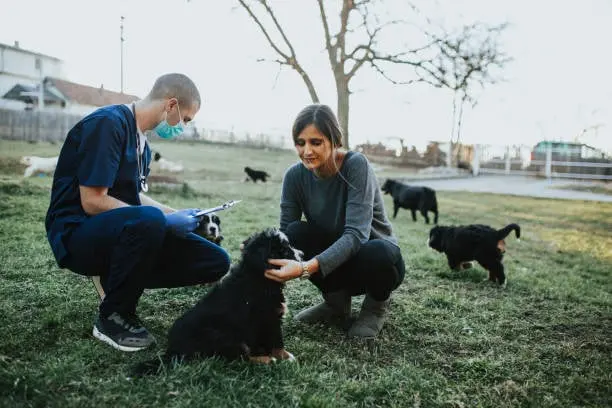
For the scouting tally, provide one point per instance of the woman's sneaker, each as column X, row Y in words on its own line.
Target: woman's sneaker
column 122, row 333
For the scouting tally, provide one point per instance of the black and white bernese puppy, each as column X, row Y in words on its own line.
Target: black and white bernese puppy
column 255, row 175
column 240, row 317
column 477, row 242
column 210, row 228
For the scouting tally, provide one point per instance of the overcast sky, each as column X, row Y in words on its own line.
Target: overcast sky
column 558, row 84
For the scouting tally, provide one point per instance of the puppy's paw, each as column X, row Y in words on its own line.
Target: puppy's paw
column 282, row 354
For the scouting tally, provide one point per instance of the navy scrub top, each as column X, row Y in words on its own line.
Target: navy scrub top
column 99, row 151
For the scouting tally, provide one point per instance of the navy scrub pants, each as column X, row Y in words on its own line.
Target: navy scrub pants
column 130, row 250
column 377, row 269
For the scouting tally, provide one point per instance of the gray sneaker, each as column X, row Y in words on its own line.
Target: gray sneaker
column 123, row 333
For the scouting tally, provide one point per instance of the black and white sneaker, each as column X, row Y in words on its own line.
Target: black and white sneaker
column 123, row 333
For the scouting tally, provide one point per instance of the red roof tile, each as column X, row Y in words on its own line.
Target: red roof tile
column 88, row 95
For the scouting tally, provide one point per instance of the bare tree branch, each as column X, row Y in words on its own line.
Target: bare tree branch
column 331, row 48
column 263, row 30
column 393, row 81
column 288, row 59
column 277, row 25
column 461, row 61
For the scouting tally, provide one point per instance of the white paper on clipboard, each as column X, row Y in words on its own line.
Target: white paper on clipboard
column 222, row 207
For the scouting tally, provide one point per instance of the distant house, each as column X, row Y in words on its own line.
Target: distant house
column 22, row 72
column 68, row 96
column 21, row 66
column 566, row 151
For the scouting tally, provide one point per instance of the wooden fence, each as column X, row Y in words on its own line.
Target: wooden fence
column 34, row 125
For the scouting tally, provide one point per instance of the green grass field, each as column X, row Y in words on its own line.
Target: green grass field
column 451, row 339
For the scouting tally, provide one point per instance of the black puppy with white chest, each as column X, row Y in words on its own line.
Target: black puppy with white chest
column 240, row 317
column 477, row 242
column 210, row 228
column 413, row 198
column 255, row 175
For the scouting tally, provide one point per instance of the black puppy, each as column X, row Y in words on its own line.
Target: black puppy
column 210, row 228
column 413, row 198
column 255, row 175
column 477, row 242
column 240, row 317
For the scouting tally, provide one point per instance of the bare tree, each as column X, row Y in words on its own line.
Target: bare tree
column 468, row 60
column 358, row 43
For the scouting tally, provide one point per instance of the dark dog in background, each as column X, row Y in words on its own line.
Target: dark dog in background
column 240, row 317
column 210, row 228
column 413, row 198
column 477, row 242
column 255, row 175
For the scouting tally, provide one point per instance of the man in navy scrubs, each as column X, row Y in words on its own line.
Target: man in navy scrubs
column 99, row 221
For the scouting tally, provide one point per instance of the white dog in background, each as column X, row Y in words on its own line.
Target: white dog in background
column 167, row 165
column 38, row 164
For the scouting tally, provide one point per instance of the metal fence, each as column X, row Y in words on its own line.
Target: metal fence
column 253, row 139
column 547, row 161
column 52, row 126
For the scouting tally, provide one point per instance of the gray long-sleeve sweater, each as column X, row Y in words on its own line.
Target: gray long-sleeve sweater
column 348, row 206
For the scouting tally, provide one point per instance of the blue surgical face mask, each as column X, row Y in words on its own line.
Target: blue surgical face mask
column 167, row 131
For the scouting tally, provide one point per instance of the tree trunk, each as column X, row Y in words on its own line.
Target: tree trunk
column 459, row 120
column 343, row 109
column 449, row 156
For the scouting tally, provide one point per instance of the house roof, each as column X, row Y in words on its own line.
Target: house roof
column 17, row 48
column 88, row 95
column 29, row 94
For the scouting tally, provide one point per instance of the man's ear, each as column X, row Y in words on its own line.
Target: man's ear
column 171, row 103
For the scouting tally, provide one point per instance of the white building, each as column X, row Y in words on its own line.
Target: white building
column 22, row 72
column 20, row 66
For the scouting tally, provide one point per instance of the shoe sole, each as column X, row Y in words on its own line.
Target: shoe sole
column 103, row 337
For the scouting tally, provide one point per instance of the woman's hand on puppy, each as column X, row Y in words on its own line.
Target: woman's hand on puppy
column 289, row 269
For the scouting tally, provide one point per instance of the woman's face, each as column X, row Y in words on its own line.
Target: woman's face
column 313, row 148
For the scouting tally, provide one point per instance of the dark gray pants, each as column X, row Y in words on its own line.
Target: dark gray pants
column 377, row 269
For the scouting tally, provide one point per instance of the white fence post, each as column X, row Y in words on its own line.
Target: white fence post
column 548, row 165
column 476, row 160
column 508, row 159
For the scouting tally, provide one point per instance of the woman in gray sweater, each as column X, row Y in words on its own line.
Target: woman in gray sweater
column 347, row 239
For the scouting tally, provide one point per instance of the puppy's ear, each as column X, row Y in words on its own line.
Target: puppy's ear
column 256, row 253
column 432, row 237
column 435, row 233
